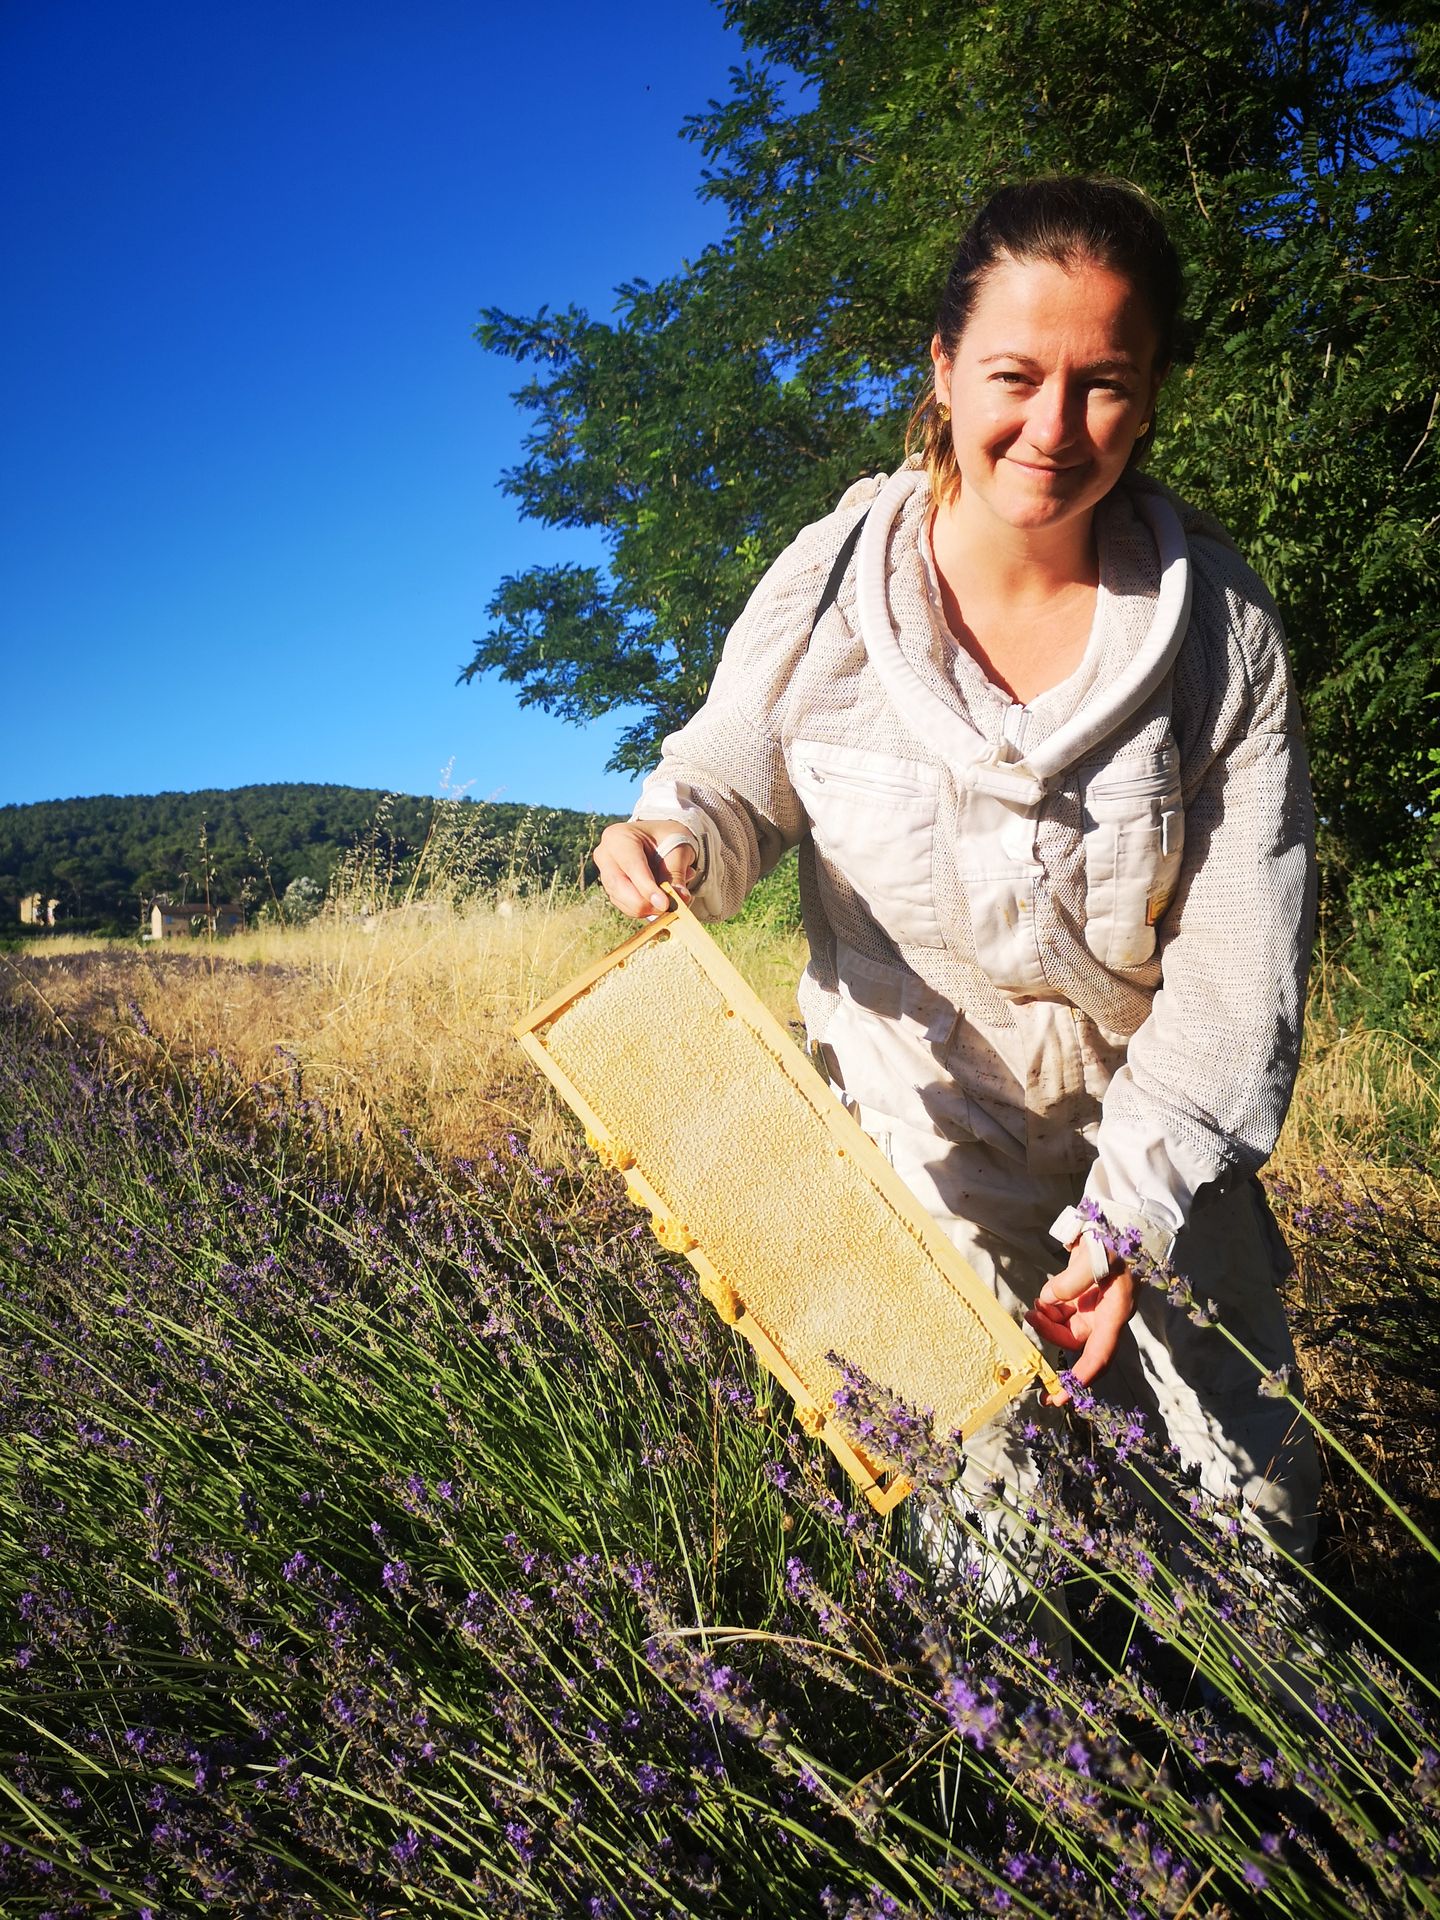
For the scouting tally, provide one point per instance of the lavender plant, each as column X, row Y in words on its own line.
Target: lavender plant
column 446, row 1555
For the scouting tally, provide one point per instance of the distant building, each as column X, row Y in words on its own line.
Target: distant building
column 184, row 918
column 37, row 911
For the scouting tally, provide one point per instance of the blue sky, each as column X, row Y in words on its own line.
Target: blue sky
column 249, row 519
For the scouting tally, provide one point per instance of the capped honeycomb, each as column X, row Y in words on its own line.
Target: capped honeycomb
column 803, row 1235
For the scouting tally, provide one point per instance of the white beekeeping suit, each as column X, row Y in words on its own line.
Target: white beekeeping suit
column 1056, row 950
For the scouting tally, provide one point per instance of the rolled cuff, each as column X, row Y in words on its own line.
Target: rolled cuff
column 728, row 855
column 1070, row 1228
column 661, row 800
column 1143, row 1179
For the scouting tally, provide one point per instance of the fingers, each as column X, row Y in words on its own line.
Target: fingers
column 1065, row 1297
column 626, row 862
column 679, row 864
column 1098, row 1352
column 1090, row 1325
column 1077, row 1278
column 1056, row 1328
column 631, row 870
column 1064, row 1289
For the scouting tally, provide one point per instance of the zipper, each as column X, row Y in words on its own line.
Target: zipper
column 860, row 780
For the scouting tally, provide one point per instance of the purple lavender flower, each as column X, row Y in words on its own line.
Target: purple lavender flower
column 522, row 1839
column 406, row 1848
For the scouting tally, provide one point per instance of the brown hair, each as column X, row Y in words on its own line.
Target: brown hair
column 1069, row 220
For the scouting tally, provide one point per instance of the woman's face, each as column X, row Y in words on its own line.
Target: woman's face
column 1051, row 384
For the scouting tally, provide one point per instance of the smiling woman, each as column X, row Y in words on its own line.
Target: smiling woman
column 1055, row 332
column 1029, row 719
column 1048, row 390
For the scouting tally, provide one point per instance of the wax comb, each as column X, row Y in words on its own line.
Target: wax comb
column 804, row 1237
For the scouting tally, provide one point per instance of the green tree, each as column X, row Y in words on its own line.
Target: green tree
column 1291, row 145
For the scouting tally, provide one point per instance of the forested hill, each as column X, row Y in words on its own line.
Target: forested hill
column 100, row 857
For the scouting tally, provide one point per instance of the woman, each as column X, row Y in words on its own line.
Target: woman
column 1042, row 759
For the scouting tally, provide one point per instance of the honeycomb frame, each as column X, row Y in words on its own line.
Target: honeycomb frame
column 1013, row 1359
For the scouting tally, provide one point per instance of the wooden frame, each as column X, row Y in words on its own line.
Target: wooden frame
column 1021, row 1361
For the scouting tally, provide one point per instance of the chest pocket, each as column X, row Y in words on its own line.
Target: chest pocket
column 1134, row 840
column 873, row 820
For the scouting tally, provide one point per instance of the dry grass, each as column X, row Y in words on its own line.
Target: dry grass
column 407, row 1013
column 1355, row 1181
column 1360, row 1095
column 402, row 1017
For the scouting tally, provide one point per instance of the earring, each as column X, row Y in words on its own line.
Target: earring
column 944, row 412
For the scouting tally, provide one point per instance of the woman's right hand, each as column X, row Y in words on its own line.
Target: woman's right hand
column 631, row 870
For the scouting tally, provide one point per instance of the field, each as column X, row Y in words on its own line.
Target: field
column 387, row 1528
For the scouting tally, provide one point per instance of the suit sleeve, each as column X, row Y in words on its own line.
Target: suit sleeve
column 1208, row 1076
column 723, row 775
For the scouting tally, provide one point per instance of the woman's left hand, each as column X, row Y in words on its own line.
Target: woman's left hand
column 1084, row 1315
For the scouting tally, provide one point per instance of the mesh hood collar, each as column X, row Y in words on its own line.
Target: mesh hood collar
column 1107, row 707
